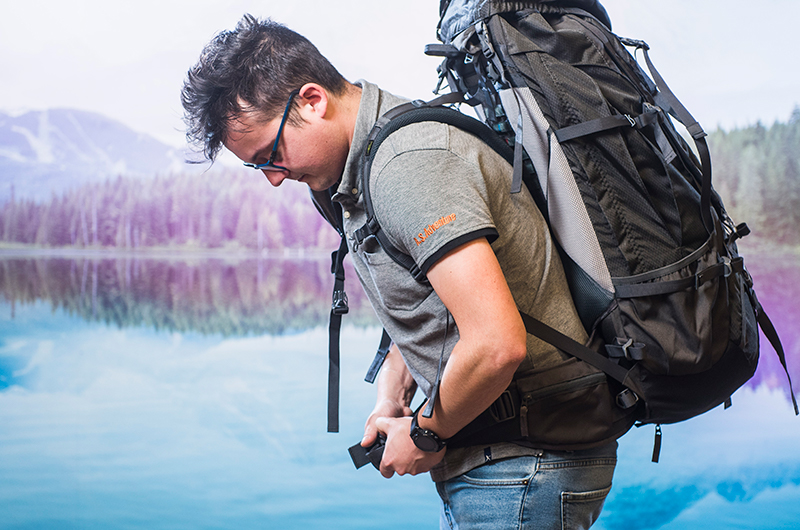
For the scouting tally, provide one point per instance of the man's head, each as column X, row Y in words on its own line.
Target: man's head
column 248, row 74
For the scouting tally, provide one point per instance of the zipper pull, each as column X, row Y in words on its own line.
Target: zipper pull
column 523, row 420
column 657, row 444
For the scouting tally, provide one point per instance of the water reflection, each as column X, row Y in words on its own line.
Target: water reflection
column 134, row 428
column 230, row 297
column 725, row 469
column 172, row 395
column 257, row 296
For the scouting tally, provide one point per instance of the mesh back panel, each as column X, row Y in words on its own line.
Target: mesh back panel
column 568, row 217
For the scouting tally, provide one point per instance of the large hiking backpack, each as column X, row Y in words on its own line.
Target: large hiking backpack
column 648, row 248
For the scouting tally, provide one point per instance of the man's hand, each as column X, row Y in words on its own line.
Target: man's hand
column 386, row 408
column 401, row 456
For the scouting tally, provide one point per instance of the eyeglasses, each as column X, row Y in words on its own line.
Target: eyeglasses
column 270, row 165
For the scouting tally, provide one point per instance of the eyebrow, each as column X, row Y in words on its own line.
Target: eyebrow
column 244, row 130
column 257, row 155
column 260, row 153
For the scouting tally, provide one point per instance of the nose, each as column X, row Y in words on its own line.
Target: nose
column 275, row 177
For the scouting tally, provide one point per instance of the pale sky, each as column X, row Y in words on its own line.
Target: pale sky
column 730, row 62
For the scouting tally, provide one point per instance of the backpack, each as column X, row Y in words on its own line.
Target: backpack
column 648, row 249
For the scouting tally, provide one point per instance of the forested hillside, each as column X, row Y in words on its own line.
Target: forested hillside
column 756, row 170
column 219, row 208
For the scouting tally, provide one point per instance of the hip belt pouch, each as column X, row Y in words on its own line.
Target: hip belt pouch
column 565, row 407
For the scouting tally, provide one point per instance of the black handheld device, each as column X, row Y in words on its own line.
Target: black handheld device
column 364, row 455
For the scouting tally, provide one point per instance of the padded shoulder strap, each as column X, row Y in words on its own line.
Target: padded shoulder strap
column 407, row 114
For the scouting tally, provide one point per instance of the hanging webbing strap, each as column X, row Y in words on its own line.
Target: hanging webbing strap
column 339, row 307
column 380, row 356
column 772, row 336
column 332, row 212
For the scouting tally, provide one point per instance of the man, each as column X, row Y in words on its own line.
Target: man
column 442, row 196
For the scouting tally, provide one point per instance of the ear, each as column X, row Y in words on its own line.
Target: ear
column 313, row 101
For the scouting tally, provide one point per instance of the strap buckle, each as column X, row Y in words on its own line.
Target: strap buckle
column 339, row 306
column 503, row 407
column 625, row 347
column 728, row 268
column 626, row 399
column 634, row 43
column 630, row 120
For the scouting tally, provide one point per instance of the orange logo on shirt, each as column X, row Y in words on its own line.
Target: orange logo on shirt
column 431, row 228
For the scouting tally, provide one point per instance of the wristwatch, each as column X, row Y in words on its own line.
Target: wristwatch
column 425, row 439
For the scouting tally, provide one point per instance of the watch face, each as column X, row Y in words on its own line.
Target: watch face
column 424, row 439
column 425, row 443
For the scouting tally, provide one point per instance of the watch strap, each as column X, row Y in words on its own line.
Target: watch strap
column 425, row 439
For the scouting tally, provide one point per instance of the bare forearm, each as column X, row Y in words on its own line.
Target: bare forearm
column 395, row 383
column 492, row 337
column 472, row 381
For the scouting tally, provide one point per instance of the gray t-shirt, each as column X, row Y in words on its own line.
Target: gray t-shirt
column 434, row 188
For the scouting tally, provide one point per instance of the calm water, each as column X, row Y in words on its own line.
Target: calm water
column 153, row 394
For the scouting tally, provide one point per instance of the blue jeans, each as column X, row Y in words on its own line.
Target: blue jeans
column 554, row 490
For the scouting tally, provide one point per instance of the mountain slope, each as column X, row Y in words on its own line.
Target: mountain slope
column 52, row 150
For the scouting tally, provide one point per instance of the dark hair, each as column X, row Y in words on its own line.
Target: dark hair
column 253, row 68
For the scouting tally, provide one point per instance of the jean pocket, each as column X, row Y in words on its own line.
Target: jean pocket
column 507, row 472
column 580, row 510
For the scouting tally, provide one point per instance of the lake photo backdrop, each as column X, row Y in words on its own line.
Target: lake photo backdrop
column 150, row 393
column 163, row 325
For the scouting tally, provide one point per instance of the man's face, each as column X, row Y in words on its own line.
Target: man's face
column 311, row 153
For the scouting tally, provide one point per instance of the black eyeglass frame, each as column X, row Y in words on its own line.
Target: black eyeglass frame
column 270, row 164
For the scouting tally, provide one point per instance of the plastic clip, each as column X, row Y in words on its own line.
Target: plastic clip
column 627, row 399
column 726, row 263
column 740, row 231
column 625, row 347
column 503, row 408
column 634, row 43
column 339, row 305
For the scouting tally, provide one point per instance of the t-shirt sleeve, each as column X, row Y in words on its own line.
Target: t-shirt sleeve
column 431, row 201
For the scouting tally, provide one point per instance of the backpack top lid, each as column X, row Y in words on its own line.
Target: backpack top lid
column 457, row 15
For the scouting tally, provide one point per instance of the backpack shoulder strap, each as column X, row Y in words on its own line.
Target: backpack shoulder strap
column 401, row 116
column 406, row 114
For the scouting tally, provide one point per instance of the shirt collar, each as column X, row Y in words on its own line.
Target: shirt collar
column 374, row 103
